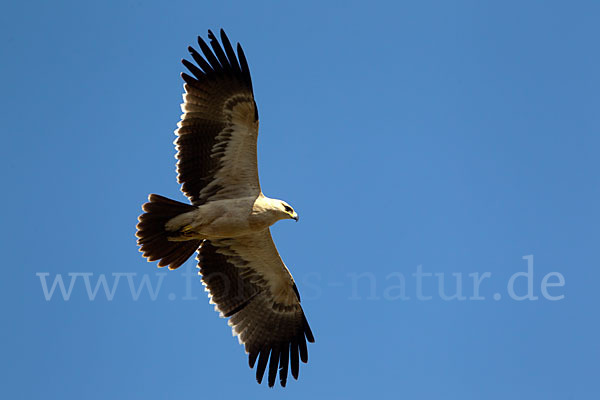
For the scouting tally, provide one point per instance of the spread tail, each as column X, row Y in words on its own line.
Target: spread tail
column 153, row 238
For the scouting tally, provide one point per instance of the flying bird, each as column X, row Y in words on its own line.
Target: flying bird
column 228, row 220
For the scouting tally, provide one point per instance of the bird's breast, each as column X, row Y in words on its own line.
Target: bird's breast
column 226, row 219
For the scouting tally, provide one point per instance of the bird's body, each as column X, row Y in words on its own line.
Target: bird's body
column 228, row 219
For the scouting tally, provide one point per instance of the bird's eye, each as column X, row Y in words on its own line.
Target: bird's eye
column 287, row 209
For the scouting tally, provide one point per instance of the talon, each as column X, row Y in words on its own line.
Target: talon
column 186, row 229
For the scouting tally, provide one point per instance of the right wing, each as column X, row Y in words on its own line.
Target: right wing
column 249, row 283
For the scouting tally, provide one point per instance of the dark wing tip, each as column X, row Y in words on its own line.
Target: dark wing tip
column 307, row 331
column 303, row 348
column 202, row 63
column 209, row 55
column 273, row 357
column 294, row 360
column 244, row 66
column 281, row 356
column 220, row 59
column 284, row 357
column 193, row 69
column 233, row 62
column 188, row 79
column 273, row 364
column 218, row 51
column 252, row 358
column 262, row 364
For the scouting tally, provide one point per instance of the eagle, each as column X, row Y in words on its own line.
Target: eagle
column 229, row 218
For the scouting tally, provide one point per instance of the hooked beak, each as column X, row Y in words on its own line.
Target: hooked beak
column 295, row 217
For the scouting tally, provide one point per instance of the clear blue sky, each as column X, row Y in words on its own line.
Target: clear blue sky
column 450, row 138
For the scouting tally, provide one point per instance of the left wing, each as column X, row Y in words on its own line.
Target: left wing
column 216, row 137
column 248, row 282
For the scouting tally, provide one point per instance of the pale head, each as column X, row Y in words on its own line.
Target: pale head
column 287, row 210
column 275, row 208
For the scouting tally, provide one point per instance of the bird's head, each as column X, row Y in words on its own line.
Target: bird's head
column 287, row 210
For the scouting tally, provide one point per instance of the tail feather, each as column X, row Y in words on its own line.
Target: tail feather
column 153, row 238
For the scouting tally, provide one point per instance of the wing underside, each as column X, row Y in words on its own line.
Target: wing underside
column 216, row 137
column 255, row 290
